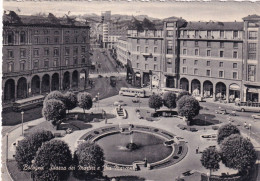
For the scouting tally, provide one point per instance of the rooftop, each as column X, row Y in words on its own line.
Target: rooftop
column 213, row 26
column 13, row 19
column 252, row 17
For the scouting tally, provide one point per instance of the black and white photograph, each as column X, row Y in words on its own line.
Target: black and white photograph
column 129, row 90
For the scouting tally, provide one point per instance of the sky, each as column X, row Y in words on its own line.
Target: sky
column 190, row 11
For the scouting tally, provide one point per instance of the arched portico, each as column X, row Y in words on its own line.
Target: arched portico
column 35, row 85
column 9, row 90
column 55, row 82
column 66, row 81
column 221, row 90
column 195, row 87
column 22, row 88
column 208, row 89
column 45, row 83
column 184, row 84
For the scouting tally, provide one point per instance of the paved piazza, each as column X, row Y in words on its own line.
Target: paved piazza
column 193, row 139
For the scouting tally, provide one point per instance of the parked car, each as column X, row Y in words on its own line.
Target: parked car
column 221, row 111
column 256, row 116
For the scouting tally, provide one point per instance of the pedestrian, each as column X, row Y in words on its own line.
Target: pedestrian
column 245, row 124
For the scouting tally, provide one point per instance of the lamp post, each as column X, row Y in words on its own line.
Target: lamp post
column 208, row 175
column 139, row 99
column 6, row 147
column 249, row 127
column 98, row 100
column 22, row 122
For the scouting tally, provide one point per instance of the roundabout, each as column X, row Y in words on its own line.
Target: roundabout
column 137, row 147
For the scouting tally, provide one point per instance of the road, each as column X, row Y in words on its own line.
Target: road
column 107, row 64
column 238, row 120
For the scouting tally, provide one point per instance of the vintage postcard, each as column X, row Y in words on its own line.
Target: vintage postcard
column 130, row 91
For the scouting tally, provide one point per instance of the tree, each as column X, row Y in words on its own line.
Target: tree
column 54, row 111
column 155, row 102
column 188, row 107
column 27, row 148
column 55, row 158
column 210, row 159
column 70, row 100
column 226, row 130
column 238, row 153
column 169, row 100
column 183, row 93
column 89, row 155
column 85, row 101
column 55, row 95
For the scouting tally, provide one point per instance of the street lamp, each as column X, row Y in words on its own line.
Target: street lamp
column 139, row 99
column 249, row 127
column 6, row 148
column 98, row 100
column 208, row 175
column 22, row 121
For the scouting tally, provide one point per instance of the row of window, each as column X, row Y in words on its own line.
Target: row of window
column 146, row 49
column 221, row 64
column 155, row 42
column 209, row 33
column 46, row 52
column 209, row 44
column 208, row 53
column 155, row 66
column 208, row 73
column 10, row 67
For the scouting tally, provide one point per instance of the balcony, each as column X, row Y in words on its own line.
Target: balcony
column 147, row 55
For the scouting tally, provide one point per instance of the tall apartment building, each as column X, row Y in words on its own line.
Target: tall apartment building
column 251, row 56
column 145, row 44
column 42, row 54
column 210, row 59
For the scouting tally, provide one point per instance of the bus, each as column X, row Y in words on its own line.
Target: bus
column 28, row 103
column 131, row 92
column 248, row 106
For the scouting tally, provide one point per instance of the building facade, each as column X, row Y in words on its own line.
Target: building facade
column 251, row 56
column 42, row 54
column 219, row 60
column 122, row 50
column 211, row 59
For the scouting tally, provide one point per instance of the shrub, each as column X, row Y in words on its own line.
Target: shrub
column 27, row 148
column 85, row 101
column 183, row 93
column 238, row 153
column 55, row 95
column 169, row 100
column 188, row 107
column 54, row 153
column 210, row 159
column 54, row 111
column 89, row 155
column 155, row 102
column 70, row 100
column 226, row 130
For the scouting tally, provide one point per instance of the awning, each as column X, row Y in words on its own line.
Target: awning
column 137, row 74
column 234, row 87
column 252, row 90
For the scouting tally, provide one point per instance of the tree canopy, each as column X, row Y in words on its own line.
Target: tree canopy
column 55, row 95
column 210, row 158
column 70, row 100
column 169, row 100
column 183, row 93
column 226, row 130
column 90, row 155
column 188, row 107
column 27, row 148
column 238, row 153
column 53, row 154
column 155, row 102
column 84, row 101
column 54, row 111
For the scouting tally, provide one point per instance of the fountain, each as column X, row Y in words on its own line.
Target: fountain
column 131, row 146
